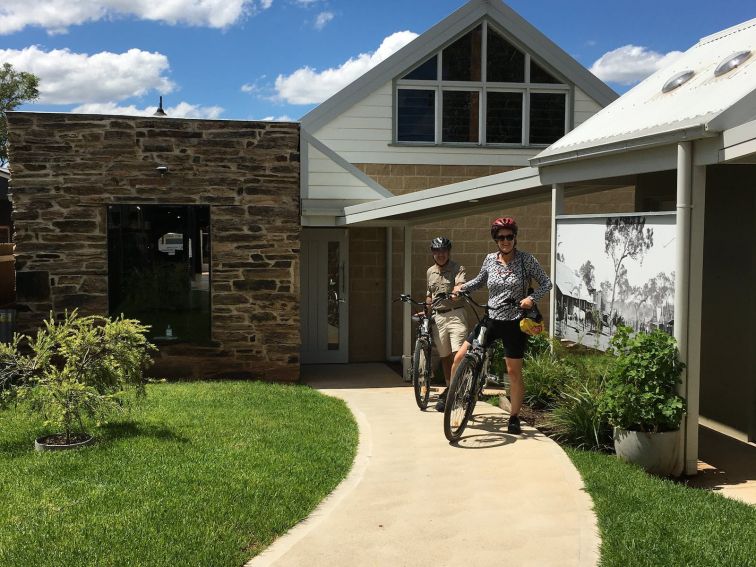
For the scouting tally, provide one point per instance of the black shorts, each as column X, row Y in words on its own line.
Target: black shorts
column 513, row 339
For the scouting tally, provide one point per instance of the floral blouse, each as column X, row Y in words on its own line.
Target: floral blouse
column 507, row 285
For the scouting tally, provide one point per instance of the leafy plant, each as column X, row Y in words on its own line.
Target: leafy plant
column 576, row 418
column 544, row 375
column 76, row 367
column 641, row 387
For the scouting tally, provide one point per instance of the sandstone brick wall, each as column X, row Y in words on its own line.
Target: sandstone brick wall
column 367, row 286
column 470, row 234
column 67, row 168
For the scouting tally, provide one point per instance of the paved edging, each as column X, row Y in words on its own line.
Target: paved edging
column 361, row 462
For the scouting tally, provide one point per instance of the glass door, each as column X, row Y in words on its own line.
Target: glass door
column 324, row 287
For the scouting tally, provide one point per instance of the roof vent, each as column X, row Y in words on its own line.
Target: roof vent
column 678, row 80
column 732, row 62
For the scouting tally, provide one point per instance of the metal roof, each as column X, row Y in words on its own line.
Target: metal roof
column 442, row 33
column 645, row 116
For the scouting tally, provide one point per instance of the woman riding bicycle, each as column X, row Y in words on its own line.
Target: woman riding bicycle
column 507, row 273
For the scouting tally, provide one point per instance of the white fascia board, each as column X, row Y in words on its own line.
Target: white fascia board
column 658, row 158
column 739, row 134
column 622, row 146
column 429, row 199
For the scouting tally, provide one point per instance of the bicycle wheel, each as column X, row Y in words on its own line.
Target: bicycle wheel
column 421, row 373
column 459, row 399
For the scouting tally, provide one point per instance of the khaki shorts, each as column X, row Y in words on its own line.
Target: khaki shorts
column 449, row 331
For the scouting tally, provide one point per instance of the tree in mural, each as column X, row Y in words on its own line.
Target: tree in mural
column 625, row 237
column 16, row 88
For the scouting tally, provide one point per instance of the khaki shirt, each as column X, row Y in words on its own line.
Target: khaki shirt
column 443, row 279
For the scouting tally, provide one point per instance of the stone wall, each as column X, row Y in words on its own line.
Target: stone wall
column 67, row 168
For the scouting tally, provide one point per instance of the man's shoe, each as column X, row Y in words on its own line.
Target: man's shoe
column 514, row 425
column 441, row 403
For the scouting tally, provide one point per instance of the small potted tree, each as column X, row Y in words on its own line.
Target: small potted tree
column 641, row 401
column 75, row 369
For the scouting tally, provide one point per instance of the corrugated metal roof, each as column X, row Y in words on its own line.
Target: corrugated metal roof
column 569, row 282
column 645, row 112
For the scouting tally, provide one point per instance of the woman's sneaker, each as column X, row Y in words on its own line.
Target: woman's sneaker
column 514, row 425
column 441, row 403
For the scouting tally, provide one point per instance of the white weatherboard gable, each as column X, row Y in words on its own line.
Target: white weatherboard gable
column 329, row 177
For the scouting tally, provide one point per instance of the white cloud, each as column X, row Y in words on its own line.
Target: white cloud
column 322, row 19
column 71, row 78
column 57, row 15
column 631, row 63
column 282, row 118
column 308, row 86
column 181, row 110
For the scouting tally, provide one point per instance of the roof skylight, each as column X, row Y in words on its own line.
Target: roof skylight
column 732, row 62
column 678, row 80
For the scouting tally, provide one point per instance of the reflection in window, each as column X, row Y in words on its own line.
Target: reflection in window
column 428, row 71
column 504, row 118
column 417, row 115
column 461, row 111
column 461, row 60
column 546, row 117
column 506, row 63
column 158, row 269
column 334, row 291
column 539, row 75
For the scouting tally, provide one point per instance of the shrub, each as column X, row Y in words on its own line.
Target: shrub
column 76, row 367
column 641, row 386
column 544, row 375
column 577, row 419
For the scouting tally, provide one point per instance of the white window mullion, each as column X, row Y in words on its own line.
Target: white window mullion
column 526, row 117
column 439, row 114
column 483, row 102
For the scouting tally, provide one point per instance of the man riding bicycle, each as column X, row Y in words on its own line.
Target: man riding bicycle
column 450, row 328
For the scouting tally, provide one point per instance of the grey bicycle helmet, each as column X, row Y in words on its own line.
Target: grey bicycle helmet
column 440, row 242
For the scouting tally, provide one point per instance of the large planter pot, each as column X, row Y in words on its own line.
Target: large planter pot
column 657, row 453
column 47, row 443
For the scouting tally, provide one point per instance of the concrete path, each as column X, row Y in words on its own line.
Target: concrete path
column 413, row 499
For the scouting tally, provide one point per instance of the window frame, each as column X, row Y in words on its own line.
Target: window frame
column 483, row 87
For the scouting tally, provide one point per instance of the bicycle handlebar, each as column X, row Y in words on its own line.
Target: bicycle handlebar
column 405, row 298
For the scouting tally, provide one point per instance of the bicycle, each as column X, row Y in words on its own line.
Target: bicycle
column 421, row 371
column 469, row 379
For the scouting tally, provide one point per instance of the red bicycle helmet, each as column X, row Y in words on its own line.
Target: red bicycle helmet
column 503, row 222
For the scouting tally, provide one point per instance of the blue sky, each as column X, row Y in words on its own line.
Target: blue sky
column 276, row 59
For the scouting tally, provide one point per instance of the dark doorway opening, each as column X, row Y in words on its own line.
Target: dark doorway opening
column 159, row 269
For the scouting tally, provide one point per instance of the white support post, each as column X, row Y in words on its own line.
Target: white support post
column 557, row 208
column 695, row 304
column 389, row 282
column 407, row 321
column 682, row 279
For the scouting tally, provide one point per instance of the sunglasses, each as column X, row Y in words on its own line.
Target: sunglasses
column 508, row 237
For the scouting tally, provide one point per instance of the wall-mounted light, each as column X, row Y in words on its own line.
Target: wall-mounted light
column 162, row 169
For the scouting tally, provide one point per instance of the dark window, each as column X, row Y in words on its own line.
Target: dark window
column 416, row 120
column 504, row 118
column 460, row 120
column 461, row 60
column 159, row 269
column 546, row 117
column 506, row 63
column 539, row 75
column 428, row 71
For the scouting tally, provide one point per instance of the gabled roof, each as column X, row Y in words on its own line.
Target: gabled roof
column 645, row 116
column 441, row 34
column 569, row 282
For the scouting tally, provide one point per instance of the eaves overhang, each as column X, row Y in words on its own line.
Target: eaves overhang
column 458, row 199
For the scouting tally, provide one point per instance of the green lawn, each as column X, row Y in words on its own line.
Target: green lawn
column 200, row 474
column 648, row 521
